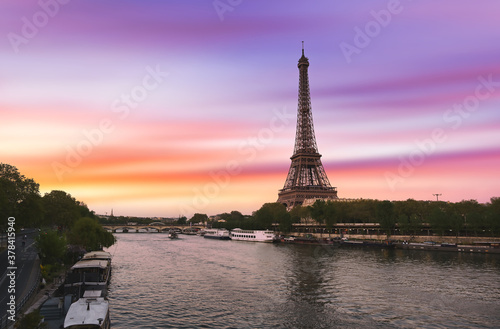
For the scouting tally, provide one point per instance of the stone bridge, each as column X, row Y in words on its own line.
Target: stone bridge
column 124, row 228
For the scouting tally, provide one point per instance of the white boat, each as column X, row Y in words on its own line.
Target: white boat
column 172, row 234
column 217, row 233
column 89, row 312
column 252, row 235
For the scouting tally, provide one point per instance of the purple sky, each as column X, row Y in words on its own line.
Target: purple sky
column 405, row 98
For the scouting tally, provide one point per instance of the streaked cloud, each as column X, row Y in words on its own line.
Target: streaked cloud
column 207, row 125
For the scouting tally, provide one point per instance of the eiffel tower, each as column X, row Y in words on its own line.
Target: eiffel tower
column 306, row 177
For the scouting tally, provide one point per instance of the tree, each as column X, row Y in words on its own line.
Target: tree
column 385, row 216
column 330, row 216
column 51, row 247
column 85, row 211
column 32, row 320
column 61, row 208
column 182, row 220
column 456, row 220
column 438, row 219
column 299, row 212
column 318, row 210
column 324, row 212
column 30, row 211
column 493, row 215
column 89, row 234
column 409, row 215
column 236, row 216
column 17, row 195
column 271, row 213
column 199, row 218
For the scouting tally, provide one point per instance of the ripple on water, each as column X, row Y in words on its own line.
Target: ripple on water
column 201, row 283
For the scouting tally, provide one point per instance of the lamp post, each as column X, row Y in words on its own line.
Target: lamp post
column 437, row 196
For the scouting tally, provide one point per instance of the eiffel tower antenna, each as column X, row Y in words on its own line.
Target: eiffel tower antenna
column 306, row 177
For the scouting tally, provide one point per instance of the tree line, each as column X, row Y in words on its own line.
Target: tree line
column 403, row 217
column 409, row 216
column 67, row 226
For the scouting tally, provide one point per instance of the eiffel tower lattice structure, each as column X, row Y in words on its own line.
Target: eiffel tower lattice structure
column 306, row 177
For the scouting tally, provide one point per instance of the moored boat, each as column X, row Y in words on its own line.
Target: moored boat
column 190, row 231
column 89, row 312
column 252, row 235
column 367, row 243
column 217, row 233
column 480, row 247
column 99, row 254
column 89, row 272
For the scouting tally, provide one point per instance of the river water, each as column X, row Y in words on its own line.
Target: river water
column 194, row 282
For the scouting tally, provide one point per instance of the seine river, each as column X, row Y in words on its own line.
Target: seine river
column 194, row 282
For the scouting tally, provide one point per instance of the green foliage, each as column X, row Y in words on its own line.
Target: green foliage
column 50, row 271
column 271, row 213
column 285, row 224
column 299, row 212
column 235, row 219
column 410, row 215
column 324, row 212
column 438, row 219
column 84, row 211
column 182, row 220
column 32, row 320
column 30, row 211
column 51, row 247
column 19, row 197
column 317, row 210
column 455, row 219
column 384, row 213
column 444, row 218
column 199, row 218
column 357, row 211
column 61, row 208
column 89, row 234
column 493, row 216
column 236, row 216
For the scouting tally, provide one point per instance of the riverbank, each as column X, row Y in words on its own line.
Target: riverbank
column 408, row 238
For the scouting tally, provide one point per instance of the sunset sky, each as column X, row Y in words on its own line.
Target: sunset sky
column 167, row 108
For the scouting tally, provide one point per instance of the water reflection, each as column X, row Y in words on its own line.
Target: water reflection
column 310, row 299
column 201, row 283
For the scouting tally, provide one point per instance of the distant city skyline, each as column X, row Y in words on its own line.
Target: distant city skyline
column 162, row 109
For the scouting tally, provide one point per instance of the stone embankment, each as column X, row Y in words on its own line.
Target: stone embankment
column 411, row 238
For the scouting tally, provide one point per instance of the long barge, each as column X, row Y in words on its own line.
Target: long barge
column 478, row 247
column 309, row 240
column 483, row 248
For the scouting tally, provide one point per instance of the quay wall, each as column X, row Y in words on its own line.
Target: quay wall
column 409, row 238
